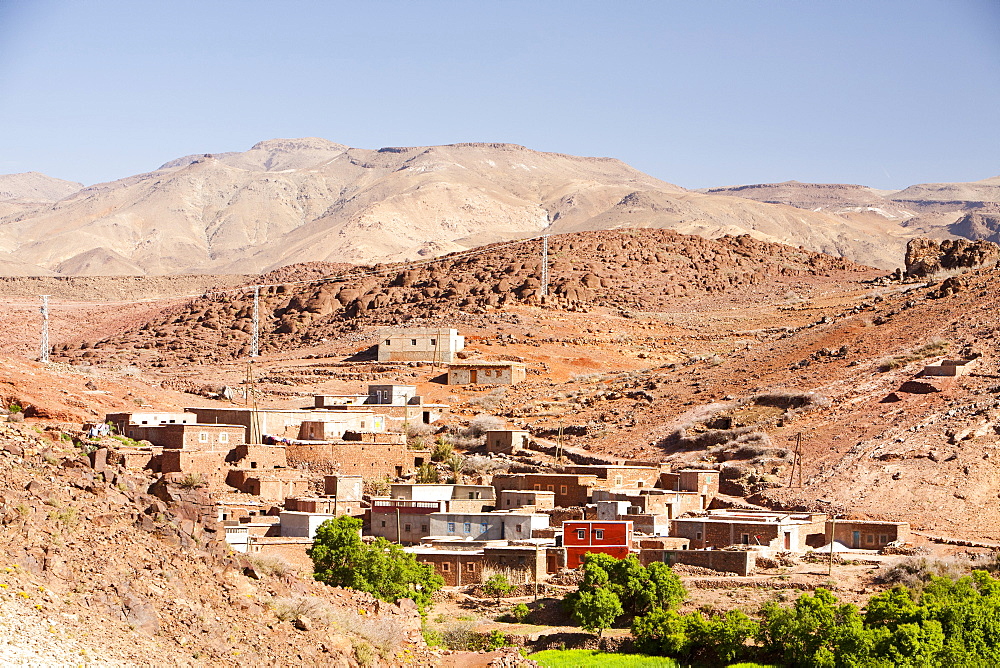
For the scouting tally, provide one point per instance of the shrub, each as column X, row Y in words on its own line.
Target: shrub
column 497, row 585
column 427, row 473
column 520, row 612
column 270, row 565
column 483, row 423
column 442, row 450
column 192, row 481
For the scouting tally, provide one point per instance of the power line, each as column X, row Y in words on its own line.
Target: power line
column 545, row 265
column 255, row 339
column 44, row 345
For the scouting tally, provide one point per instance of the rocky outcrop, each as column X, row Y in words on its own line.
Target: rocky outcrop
column 623, row 269
column 926, row 257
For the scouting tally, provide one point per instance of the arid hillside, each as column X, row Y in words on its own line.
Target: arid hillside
column 289, row 201
column 620, row 269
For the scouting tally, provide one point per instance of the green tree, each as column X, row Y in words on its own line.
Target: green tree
column 384, row 569
column 597, row 610
column 497, row 585
column 639, row 589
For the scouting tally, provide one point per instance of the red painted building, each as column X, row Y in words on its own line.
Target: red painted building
column 607, row 537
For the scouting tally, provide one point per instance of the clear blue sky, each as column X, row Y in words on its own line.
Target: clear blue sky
column 883, row 93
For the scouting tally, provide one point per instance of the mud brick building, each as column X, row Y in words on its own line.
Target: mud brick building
column 400, row 520
column 793, row 532
column 530, row 500
column 530, row 559
column 455, row 498
column 298, row 524
column 619, row 476
column 271, row 485
column 371, row 456
column 287, row 423
column 652, row 549
column 398, row 403
column 123, row 422
column 866, row 535
column 497, row 525
column 136, row 458
column 191, row 436
column 347, row 487
column 570, row 489
column 507, row 441
column 419, row 344
column 663, row 502
column 702, row 481
column 239, row 507
column 456, row 567
column 328, row 505
column 258, row 456
column 582, row 537
column 486, row 373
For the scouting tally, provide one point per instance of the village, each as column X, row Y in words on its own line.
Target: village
column 516, row 505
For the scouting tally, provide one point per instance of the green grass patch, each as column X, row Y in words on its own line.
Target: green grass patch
column 584, row 658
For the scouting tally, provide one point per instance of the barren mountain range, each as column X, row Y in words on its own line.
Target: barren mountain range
column 286, row 201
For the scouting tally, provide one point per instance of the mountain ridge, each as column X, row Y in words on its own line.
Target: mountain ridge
column 288, row 201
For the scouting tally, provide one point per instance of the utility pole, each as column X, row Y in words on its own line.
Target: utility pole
column 44, row 346
column 255, row 337
column 545, row 266
column 833, row 538
column 796, row 459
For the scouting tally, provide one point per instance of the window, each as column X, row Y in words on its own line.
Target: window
column 434, row 342
column 883, row 538
column 870, row 538
column 451, row 527
column 549, row 488
column 581, row 534
column 538, row 488
column 423, row 528
column 388, row 342
column 413, row 342
column 697, row 535
column 618, row 481
column 484, row 527
column 224, row 437
column 253, row 465
column 383, row 524
column 508, row 501
column 598, row 534
column 446, row 567
column 639, row 484
column 468, row 527
column 563, row 489
column 470, row 566
column 518, row 528
column 745, row 538
column 203, row 437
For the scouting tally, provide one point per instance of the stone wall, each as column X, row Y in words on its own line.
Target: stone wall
column 741, row 562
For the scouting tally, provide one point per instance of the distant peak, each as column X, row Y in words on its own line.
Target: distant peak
column 300, row 144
